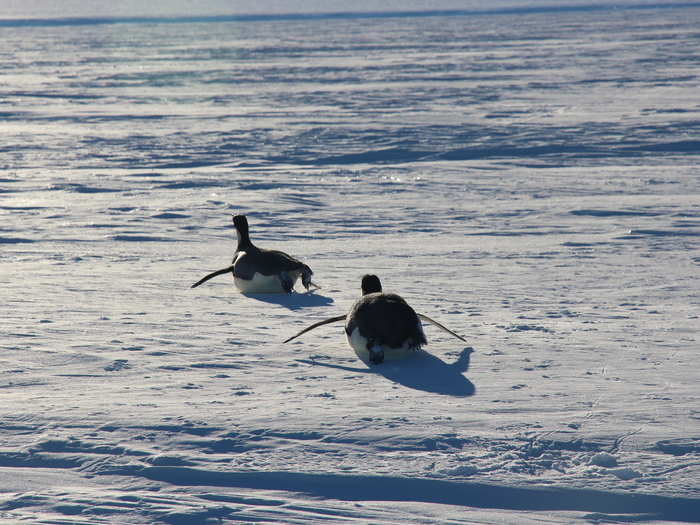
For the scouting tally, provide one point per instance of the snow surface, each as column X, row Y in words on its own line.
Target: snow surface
column 529, row 179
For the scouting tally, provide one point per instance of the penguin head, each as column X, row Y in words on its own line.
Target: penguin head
column 371, row 284
column 240, row 222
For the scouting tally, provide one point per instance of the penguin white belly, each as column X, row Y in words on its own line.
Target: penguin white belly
column 359, row 344
column 259, row 284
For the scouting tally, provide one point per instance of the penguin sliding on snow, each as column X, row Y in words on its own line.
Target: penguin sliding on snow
column 380, row 325
column 256, row 270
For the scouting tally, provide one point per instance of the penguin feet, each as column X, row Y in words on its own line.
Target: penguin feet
column 286, row 281
column 376, row 357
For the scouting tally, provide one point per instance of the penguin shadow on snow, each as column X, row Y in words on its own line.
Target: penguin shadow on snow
column 422, row 371
column 292, row 301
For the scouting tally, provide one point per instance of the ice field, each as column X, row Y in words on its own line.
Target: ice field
column 526, row 174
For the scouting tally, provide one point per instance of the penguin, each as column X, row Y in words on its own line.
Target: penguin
column 256, row 270
column 381, row 325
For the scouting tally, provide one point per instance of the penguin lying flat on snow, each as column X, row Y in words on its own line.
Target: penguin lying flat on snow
column 381, row 325
column 256, row 270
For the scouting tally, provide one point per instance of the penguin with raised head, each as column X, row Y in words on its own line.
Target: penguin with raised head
column 256, row 270
column 381, row 325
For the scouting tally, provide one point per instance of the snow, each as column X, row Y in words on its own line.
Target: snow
column 528, row 179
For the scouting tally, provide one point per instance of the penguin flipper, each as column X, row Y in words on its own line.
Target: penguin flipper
column 213, row 274
column 316, row 325
column 433, row 321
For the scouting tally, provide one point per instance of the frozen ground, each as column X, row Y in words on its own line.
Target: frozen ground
column 531, row 180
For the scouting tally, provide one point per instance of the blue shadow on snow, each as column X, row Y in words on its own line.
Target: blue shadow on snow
column 423, row 371
column 347, row 487
column 293, row 301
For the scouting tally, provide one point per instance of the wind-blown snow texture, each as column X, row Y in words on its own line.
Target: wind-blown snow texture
column 529, row 178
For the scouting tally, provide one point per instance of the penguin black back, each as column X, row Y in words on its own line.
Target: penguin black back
column 384, row 319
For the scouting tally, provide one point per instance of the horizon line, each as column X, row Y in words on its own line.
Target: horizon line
column 273, row 17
